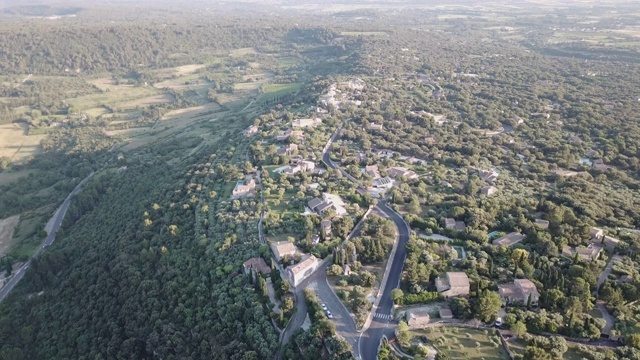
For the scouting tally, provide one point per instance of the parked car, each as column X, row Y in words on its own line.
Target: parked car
column 329, row 315
column 498, row 322
column 424, row 339
column 323, row 306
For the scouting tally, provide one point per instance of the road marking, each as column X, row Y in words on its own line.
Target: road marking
column 382, row 316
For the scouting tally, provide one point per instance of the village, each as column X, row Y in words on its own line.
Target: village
column 380, row 174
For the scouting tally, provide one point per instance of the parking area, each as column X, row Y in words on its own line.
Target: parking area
column 345, row 324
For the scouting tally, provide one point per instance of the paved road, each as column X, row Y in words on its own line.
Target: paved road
column 54, row 224
column 318, row 281
column 382, row 323
column 345, row 324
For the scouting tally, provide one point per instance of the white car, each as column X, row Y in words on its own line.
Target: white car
column 324, row 307
column 498, row 322
column 329, row 315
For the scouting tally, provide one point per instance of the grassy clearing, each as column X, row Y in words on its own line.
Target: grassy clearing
column 464, row 343
column 114, row 97
column 280, row 237
column 104, row 84
column 10, row 176
column 97, row 111
column 25, row 238
column 16, row 144
column 179, row 70
column 287, row 61
column 274, row 90
column 187, row 82
column 7, row 227
column 281, row 207
column 242, row 52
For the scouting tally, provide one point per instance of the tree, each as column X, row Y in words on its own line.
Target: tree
column 533, row 352
column 460, row 308
column 334, row 270
column 487, row 306
column 396, row 296
column 633, row 340
column 367, row 279
column 402, row 333
column 442, row 356
column 557, row 347
column 518, row 329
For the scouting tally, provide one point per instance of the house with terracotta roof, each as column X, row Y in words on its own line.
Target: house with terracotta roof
column 372, row 170
column 519, row 292
column 609, row 242
column 453, row 284
column 283, row 249
column 398, row 171
column 589, row 253
column 244, row 188
column 258, row 264
column 544, row 224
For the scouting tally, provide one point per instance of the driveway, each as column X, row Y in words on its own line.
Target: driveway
column 610, row 320
column 605, row 273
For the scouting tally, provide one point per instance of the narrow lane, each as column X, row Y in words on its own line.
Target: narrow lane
column 55, row 222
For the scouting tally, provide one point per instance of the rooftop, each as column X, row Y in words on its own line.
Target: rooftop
column 303, row 265
column 509, row 239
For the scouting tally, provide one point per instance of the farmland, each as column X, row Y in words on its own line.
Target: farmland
column 16, row 144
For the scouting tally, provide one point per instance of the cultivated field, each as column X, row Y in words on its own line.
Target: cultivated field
column 179, row 70
column 116, row 96
column 16, row 144
column 7, row 227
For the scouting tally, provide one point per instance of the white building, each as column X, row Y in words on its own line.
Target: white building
column 302, row 270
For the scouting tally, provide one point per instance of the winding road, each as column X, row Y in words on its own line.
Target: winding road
column 382, row 322
column 52, row 229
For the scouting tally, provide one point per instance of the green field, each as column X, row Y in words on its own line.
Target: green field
column 271, row 91
column 25, row 239
column 113, row 97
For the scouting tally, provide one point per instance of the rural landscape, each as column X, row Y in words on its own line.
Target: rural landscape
column 319, row 180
